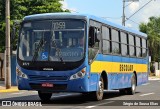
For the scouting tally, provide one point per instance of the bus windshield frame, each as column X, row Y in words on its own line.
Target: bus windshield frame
column 66, row 38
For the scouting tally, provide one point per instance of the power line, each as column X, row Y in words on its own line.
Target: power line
column 129, row 3
column 133, row 21
column 138, row 10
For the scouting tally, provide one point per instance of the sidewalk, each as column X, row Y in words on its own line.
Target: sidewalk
column 154, row 78
column 3, row 88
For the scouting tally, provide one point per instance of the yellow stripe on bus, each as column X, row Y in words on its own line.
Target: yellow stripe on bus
column 115, row 67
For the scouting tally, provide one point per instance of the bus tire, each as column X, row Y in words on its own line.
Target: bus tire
column 122, row 91
column 44, row 96
column 98, row 95
column 132, row 89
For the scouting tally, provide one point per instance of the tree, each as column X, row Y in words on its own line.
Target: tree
column 21, row 8
column 152, row 29
column 2, row 24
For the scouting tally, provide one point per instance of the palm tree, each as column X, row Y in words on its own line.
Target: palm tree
column 152, row 29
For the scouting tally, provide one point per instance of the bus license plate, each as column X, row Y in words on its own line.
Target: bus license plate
column 47, row 85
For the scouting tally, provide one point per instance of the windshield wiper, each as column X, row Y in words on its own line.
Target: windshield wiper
column 57, row 49
column 40, row 44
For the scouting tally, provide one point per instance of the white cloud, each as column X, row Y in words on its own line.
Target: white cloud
column 152, row 9
column 65, row 6
column 118, row 21
column 134, row 6
column 129, row 25
column 73, row 10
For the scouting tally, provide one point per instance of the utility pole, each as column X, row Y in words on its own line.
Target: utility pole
column 7, row 53
column 123, row 16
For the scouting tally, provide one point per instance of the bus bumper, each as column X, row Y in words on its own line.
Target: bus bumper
column 77, row 85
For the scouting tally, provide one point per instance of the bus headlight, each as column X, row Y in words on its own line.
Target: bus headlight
column 79, row 74
column 21, row 74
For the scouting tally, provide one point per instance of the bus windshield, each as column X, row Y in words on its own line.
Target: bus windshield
column 59, row 40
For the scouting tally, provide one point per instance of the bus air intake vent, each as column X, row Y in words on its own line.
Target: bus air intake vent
column 54, row 78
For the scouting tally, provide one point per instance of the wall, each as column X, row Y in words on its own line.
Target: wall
column 13, row 69
column 156, row 66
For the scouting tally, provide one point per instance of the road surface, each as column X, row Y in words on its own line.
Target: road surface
column 148, row 93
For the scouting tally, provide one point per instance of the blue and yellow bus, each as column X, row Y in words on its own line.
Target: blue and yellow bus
column 64, row 52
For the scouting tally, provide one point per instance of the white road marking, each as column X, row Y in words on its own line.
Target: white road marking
column 88, row 107
column 145, row 84
column 99, row 104
column 17, row 93
column 62, row 95
column 147, row 94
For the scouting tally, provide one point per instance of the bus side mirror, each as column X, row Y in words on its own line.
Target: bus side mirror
column 98, row 34
column 15, row 24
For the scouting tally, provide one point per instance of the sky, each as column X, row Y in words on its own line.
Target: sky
column 112, row 10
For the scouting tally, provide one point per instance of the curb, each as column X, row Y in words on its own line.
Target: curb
column 153, row 78
column 13, row 89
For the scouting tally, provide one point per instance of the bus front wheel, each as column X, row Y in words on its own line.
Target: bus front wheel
column 44, row 96
column 98, row 95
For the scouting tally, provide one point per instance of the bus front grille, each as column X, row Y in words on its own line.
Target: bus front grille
column 54, row 78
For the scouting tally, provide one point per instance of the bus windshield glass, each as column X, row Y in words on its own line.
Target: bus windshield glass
column 57, row 40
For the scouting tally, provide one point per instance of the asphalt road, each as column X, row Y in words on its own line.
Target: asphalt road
column 147, row 96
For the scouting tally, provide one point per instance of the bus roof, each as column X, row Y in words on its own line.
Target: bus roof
column 81, row 16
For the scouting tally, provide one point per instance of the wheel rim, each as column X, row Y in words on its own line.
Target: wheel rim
column 133, row 83
column 101, row 89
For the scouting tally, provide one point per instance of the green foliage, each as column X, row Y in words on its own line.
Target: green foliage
column 21, row 8
column 152, row 68
column 152, row 29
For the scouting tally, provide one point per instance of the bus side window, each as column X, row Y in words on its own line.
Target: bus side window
column 94, row 36
column 94, row 39
column 91, row 36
